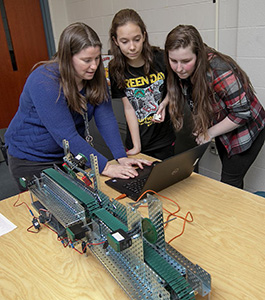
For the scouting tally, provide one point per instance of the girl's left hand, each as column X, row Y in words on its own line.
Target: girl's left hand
column 161, row 112
column 202, row 138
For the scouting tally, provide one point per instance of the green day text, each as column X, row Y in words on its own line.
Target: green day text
column 140, row 81
column 147, row 121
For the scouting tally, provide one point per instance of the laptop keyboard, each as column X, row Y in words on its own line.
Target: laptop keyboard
column 135, row 185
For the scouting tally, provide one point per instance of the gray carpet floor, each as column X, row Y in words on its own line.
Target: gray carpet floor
column 8, row 186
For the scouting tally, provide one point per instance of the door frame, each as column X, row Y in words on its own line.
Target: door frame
column 46, row 16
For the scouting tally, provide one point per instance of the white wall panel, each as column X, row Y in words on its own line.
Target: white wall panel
column 101, row 7
column 121, row 4
column 251, row 13
column 79, row 10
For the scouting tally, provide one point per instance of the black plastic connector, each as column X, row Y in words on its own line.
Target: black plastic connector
column 36, row 223
column 42, row 219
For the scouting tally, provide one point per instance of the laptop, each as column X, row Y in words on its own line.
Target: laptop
column 159, row 175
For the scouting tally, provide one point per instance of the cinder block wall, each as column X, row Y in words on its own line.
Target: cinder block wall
column 241, row 34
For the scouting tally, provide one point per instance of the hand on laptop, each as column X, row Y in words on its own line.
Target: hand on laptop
column 125, row 168
column 119, row 171
column 125, row 161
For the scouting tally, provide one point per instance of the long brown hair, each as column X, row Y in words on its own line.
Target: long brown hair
column 74, row 38
column 119, row 64
column 202, row 91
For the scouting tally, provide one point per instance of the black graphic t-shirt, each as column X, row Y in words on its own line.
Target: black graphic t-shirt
column 145, row 93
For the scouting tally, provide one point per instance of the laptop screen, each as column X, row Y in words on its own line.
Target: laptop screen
column 161, row 175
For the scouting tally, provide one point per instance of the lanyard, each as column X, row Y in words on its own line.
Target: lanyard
column 88, row 136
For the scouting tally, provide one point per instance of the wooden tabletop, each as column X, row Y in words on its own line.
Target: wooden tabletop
column 226, row 238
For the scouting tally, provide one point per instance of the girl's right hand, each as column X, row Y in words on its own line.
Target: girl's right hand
column 203, row 138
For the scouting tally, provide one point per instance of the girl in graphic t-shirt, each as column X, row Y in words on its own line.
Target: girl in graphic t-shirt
column 137, row 74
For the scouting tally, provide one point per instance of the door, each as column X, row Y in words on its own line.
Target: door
column 22, row 45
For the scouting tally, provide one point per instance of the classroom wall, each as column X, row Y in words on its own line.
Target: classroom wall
column 239, row 32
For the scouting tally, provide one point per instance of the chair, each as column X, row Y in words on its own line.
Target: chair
column 260, row 193
column 3, row 150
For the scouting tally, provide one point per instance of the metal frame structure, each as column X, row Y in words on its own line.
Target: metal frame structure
column 145, row 270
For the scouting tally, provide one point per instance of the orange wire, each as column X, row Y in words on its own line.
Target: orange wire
column 184, row 224
column 157, row 195
column 121, row 197
column 170, row 213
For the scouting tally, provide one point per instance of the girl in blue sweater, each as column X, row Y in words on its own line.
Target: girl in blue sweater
column 58, row 100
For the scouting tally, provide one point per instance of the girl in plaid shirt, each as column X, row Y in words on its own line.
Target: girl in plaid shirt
column 221, row 98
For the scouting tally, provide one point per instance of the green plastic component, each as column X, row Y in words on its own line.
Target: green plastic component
column 23, row 182
column 65, row 166
column 69, row 171
column 113, row 243
column 73, row 189
column 167, row 272
column 149, row 230
column 112, row 222
column 83, row 156
column 70, row 234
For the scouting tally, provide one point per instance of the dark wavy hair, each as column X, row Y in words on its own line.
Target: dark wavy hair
column 74, row 38
column 202, row 91
column 119, row 63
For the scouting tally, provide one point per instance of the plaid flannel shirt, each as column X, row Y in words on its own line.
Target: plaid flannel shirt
column 233, row 102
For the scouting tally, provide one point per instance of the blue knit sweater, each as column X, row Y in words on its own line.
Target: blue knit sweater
column 41, row 123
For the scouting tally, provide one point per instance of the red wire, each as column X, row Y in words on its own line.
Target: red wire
column 16, row 205
column 28, row 230
column 68, row 241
